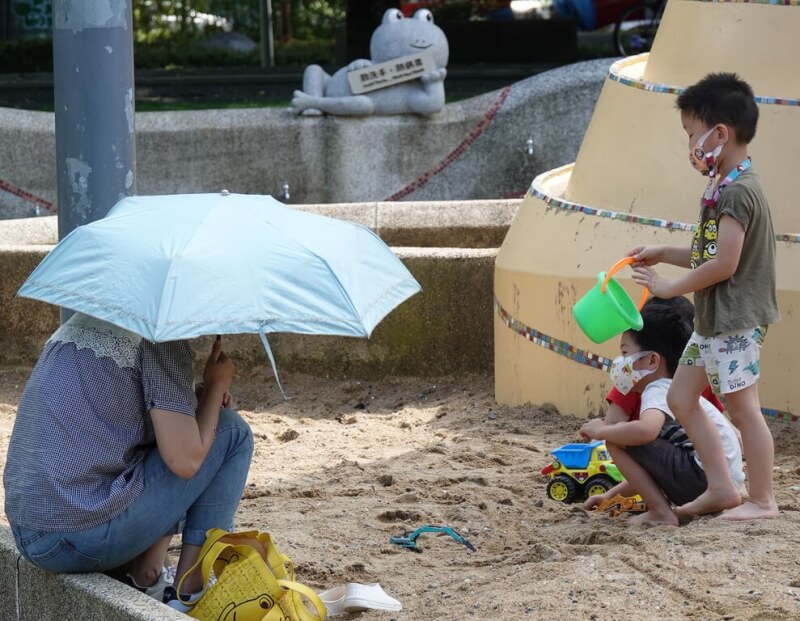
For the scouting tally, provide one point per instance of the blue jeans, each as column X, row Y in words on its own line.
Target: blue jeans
column 207, row 500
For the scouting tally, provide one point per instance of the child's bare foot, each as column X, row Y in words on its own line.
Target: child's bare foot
column 650, row 517
column 709, row 502
column 752, row 511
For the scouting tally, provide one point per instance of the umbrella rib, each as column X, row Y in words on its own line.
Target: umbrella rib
column 387, row 293
column 335, row 277
column 176, row 254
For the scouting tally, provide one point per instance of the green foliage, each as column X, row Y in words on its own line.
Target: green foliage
column 317, row 19
column 167, row 35
column 175, row 53
column 306, row 52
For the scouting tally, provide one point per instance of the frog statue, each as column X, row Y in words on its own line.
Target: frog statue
column 397, row 36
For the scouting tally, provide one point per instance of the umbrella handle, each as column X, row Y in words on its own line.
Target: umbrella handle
column 272, row 361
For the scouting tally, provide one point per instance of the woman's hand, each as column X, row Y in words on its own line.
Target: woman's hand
column 200, row 390
column 218, row 372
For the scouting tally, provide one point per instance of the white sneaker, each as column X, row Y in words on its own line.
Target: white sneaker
column 156, row 590
column 171, row 600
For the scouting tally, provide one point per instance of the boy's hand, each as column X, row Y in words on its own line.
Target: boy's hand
column 592, row 428
column 592, row 501
column 647, row 255
column 648, row 278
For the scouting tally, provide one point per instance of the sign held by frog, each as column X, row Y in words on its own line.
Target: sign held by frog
column 405, row 74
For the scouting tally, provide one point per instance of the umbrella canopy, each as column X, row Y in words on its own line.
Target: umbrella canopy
column 180, row 266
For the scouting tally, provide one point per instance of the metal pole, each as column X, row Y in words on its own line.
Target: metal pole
column 267, row 39
column 94, row 108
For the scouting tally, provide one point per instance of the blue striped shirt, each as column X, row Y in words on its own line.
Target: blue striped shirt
column 83, row 426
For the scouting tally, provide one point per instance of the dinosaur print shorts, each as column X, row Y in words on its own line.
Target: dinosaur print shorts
column 731, row 359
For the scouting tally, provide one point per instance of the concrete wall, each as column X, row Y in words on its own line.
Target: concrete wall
column 473, row 149
column 445, row 328
column 30, row 594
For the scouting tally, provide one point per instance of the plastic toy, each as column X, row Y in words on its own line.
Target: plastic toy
column 580, row 471
column 606, row 309
column 408, row 540
column 622, row 504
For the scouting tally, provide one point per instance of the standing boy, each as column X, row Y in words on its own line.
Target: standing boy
column 732, row 261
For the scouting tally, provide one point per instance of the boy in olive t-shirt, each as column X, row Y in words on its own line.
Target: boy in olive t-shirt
column 732, row 261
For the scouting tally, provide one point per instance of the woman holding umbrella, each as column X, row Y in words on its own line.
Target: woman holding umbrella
column 112, row 453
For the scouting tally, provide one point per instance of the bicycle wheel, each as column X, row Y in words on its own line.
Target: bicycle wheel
column 635, row 29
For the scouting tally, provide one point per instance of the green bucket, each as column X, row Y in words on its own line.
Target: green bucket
column 607, row 310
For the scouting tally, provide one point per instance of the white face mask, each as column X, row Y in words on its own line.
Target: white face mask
column 623, row 375
column 705, row 162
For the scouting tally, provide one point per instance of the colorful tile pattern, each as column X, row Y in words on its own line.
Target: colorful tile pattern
column 615, row 75
column 593, row 360
column 553, row 344
column 565, row 205
column 770, row 2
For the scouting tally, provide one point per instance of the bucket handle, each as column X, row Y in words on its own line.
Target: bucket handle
column 617, row 267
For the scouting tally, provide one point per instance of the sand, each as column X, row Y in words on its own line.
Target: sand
column 344, row 465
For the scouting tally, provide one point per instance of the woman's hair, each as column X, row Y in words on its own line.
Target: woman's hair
column 722, row 98
column 667, row 328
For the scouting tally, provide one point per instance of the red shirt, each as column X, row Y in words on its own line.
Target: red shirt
column 632, row 402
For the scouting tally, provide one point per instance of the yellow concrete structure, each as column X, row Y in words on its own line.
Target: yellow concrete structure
column 632, row 184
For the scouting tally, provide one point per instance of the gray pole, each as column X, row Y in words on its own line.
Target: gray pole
column 267, row 42
column 94, row 108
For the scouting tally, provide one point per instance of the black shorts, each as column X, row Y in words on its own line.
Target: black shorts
column 673, row 468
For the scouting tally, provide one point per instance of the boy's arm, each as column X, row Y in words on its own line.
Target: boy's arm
column 730, row 239
column 615, row 414
column 633, row 433
column 674, row 255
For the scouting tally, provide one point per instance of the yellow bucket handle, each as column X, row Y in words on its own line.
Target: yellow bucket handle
column 617, row 267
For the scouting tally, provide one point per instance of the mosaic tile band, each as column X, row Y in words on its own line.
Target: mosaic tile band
column 12, row 189
column 565, row 205
column 548, row 342
column 770, row 2
column 455, row 153
column 615, row 75
column 593, row 360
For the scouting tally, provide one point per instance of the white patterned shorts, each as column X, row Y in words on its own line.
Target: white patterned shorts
column 731, row 359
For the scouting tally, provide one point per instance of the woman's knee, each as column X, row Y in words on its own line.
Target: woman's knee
column 231, row 421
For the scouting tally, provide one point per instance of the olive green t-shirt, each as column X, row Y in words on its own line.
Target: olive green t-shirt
column 747, row 299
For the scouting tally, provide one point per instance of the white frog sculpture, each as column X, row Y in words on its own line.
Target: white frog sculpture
column 397, row 36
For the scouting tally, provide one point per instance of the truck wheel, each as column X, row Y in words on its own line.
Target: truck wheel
column 562, row 488
column 599, row 484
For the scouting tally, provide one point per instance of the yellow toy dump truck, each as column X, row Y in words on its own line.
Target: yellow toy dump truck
column 580, row 471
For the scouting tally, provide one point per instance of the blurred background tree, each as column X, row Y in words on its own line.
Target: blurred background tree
column 176, row 33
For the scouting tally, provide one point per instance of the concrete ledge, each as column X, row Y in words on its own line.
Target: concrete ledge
column 448, row 326
column 29, row 594
column 445, row 224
